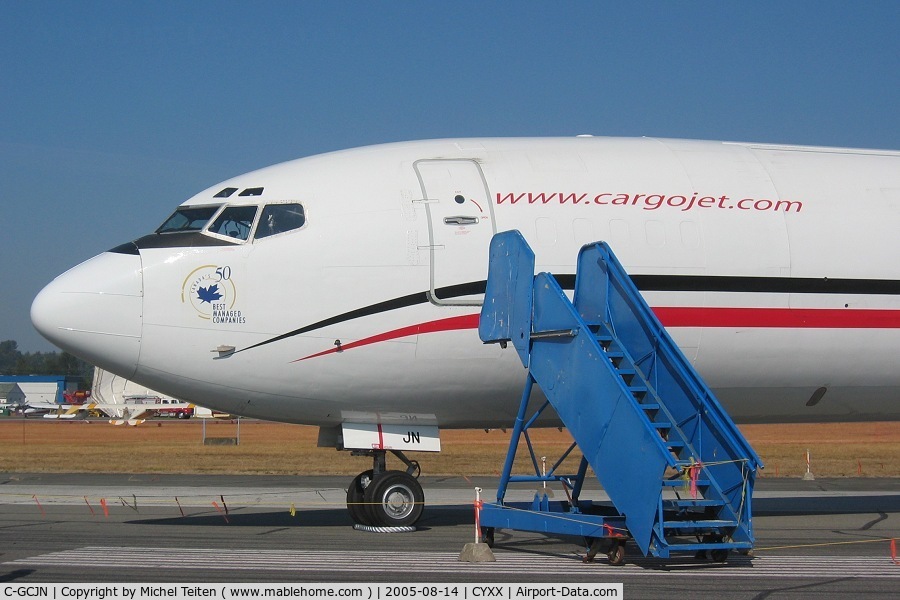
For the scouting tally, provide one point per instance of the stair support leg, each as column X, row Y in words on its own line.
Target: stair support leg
column 579, row 480
column 516, row 433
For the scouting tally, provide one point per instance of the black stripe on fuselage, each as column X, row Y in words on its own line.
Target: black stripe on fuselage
column 655, row 283
column 757, row 285
column 453, row 291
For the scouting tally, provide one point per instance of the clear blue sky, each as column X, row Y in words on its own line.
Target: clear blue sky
column 112, row 113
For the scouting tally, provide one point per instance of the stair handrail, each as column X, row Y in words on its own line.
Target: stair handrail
column 636, row 304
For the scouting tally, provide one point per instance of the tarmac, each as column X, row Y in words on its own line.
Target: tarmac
column 823, row 538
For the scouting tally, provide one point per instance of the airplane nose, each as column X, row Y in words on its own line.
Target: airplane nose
column 94, row 311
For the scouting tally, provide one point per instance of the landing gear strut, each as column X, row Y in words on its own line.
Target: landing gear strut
column 383, row 498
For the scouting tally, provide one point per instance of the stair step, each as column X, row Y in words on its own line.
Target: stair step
column 650, row 406
column 690, row 502
column 705, row 524
column 682, row 482
column 709, row 546
column 662, row 424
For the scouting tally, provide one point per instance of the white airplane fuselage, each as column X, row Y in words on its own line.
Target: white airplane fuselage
column 774, row 268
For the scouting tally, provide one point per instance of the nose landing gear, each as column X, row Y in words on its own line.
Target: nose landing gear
column 383, row 498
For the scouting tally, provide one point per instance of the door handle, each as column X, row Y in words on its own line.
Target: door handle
column 460, row 220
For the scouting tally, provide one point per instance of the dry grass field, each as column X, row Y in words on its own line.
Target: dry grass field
column 34, row 445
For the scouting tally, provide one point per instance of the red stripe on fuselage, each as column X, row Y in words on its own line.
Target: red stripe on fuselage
column 773, row 318
column 779, row 318
column 449, row 324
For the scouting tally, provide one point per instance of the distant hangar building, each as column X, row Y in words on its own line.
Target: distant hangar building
column 11, row 396
column 43, row 388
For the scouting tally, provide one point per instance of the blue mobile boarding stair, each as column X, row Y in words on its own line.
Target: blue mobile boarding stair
column 678, row 472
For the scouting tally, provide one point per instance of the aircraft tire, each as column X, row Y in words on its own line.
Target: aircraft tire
column 356, row 498
column 394, row 499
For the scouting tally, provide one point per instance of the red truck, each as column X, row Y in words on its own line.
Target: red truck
column 179, row 412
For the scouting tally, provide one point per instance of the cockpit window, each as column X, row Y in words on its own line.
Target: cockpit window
column 278, row 218
column 188, row 219
column 234, row 222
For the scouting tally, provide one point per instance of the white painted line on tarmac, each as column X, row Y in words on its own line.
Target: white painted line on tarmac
column 508, row 563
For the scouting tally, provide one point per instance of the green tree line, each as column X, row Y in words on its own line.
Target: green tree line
column 15, row 362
